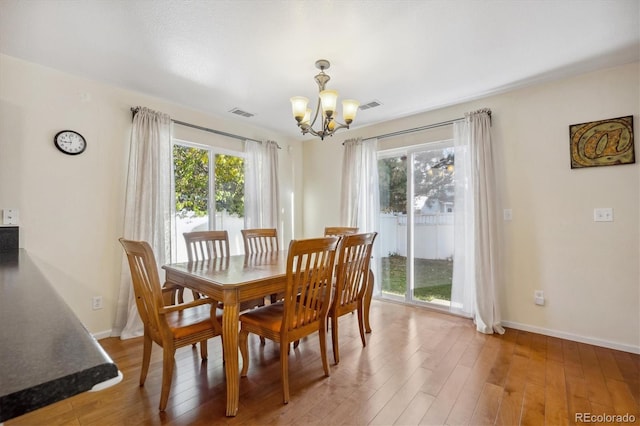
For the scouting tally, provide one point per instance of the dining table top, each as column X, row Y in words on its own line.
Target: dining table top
column 234, row 271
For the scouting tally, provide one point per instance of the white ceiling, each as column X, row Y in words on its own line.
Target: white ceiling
column 412, row 56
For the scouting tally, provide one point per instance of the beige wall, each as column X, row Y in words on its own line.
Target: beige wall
column 71, row 207
column 588, row 271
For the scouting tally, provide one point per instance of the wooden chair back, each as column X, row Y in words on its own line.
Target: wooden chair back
column 339, row 230
column 260, row 240
column 304, row 308
column 203, row 245
column 310, row 265
column 352, row 277
column 353, row 270
column 146, row 285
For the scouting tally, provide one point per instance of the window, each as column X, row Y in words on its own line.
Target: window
column 208, row 193
column 416, row 222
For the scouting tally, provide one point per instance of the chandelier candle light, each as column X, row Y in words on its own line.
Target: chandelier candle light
column 327, row 100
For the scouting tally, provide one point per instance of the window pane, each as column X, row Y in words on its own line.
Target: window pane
column 229, row 190
column 191, row 179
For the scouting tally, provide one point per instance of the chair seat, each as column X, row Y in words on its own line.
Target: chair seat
column 191, row 320
column 267, row 317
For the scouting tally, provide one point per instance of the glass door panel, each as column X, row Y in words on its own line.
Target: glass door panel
column 392, row 243
column 432, row 219
column 416, row 223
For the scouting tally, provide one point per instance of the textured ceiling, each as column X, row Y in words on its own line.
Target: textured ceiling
column 412, row 56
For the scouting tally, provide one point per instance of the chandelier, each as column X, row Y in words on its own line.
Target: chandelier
column 327, row 101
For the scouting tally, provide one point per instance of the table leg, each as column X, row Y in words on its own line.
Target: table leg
column 230, row 316
column 368, row 295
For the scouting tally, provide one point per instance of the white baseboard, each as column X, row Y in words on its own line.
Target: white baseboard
column 573, row 337
column 101, row 334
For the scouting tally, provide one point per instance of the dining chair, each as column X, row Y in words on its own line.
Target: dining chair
column 201, row 245
column 351, row 281
column 339, row 230
column 260, row 240
column 171, row 327
column 204, row 245
column 304, row 309
column 334, row 231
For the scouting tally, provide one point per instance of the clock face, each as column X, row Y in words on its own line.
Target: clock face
column 70, row 142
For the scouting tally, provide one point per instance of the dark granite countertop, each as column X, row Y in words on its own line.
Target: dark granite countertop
column 46, row 354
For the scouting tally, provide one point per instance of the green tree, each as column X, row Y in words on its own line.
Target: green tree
column 433, row 178
column 191, row 171
column 191, row 174
column 230, row 184
column 392, row 176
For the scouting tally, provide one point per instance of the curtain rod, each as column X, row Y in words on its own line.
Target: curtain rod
column 207, row 129
column 418, row 129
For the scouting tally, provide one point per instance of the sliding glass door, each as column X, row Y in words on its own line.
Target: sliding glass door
column 416, row 223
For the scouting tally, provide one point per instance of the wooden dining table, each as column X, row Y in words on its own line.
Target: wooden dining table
column 233, row 280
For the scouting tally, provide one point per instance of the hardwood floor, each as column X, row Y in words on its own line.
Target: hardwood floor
column 419, row 367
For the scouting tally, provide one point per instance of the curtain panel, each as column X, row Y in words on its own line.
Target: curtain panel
column 475, row 274
column 147, row 215
column 262, row 186
column 360, row 196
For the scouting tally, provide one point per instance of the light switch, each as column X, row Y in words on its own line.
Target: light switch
column 603, row 214
column 508, row 215
column 10, row 216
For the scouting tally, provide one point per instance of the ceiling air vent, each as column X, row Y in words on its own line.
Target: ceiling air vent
column 240, row 112
column 369, row 105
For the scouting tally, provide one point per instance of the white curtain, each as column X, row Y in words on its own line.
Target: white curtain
column 359, row 203
column 360, row 196
column 351, row 172
column 262, row 193
column 475, row 264
column 147, row 215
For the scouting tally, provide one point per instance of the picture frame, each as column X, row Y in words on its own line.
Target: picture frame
column 602, row 143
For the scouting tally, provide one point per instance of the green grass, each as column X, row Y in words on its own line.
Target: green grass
column 432, row 277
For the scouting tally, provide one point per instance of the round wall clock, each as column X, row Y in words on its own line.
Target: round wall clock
column 70, row 142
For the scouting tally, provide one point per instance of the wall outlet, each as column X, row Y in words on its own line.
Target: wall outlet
column 10, row 216
column 538, row 297
column 603, row 214
column 96, row 303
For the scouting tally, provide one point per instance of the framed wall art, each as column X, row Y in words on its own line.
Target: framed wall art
column 602, row 143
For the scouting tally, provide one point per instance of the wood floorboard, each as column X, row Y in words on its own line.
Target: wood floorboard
column 418, row 367
column 463, row 409
column 440, row 407
column 555, row 393
column 533, row 405
column 510, row 409
column 577, row 397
